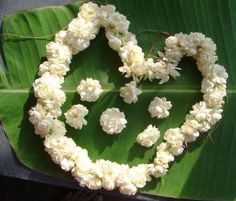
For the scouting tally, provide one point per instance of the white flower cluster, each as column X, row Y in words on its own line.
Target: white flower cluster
column 50, row 97
column 149, row 136
column 113, row 121
column 159, row 107
column 109, row 175
column 75, row 116
column 203, row 114
column 132, row 56
column 89, row 90
column 44, row 122
column 130, row 92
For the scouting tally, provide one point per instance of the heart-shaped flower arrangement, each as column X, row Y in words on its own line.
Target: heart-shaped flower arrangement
column 50, row 97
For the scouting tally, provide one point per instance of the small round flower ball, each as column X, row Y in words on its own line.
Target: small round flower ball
column 75, row 116
column 89, row 90
column 159, row 107
column 130, row 92
column 149, row 136
column 113, row 121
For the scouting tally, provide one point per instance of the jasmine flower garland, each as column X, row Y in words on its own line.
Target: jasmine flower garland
column 50, row 97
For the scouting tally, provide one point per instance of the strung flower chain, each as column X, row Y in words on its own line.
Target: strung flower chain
column 50, row 97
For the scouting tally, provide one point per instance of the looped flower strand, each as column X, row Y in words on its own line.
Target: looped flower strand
column 50, row 96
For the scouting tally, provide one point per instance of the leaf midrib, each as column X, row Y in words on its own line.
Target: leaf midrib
column 144, row 89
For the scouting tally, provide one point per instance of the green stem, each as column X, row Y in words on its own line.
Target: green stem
column 156, row 31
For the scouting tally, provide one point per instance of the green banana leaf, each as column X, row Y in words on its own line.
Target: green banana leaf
column 206, row 170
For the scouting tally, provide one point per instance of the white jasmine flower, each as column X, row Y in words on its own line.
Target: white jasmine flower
column 34, row 116
column 208, row 45
column 89, row 11
column 53, row 67
column 201, row 126
column 45, row 85
column 123, row 177
column 37, row 113
column 89, row 176
column 113, row 40
column 217, row 74
column 207, row 86
column 128, row 189
column 159, row 107
column 43, row 127
column 172, row 41
column 190, row 130
column 59, row 52
column 43, row 90
column 185, row 41
column 205, row 126
column 82, row 160
column 53, row 103
column 61, row 149
column 149, row 136
column 113, row 121
column 94, row 182
column 172, row 70
column 78, row 45
column 173, row 54
column 53, row 109
column 197, row 38
column 216, row 115
column 174, row 137
column 207, row 55
column 138, row 175
column 137, row 71
column 113, row 21
column 130, row 92
column 80, row 28
column 60, row 37
column 89, row 90
column 58, row 97
column 115, row 43
column 110, row 172
column 106, row 12
column 176, row 150
column 163, row 156
column 117, row 23
column 158, row 170
column 75, row 116
column 129, row 37
column 205, row 59
column 131, row 54
column 201, row 112
column 67, row 165
column 159, row 70
column 215, row 98
column 58, row 127
column 161, row 162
